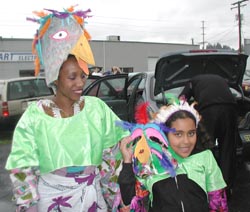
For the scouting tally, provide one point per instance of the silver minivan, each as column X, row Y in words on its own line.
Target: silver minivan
column 16, row 94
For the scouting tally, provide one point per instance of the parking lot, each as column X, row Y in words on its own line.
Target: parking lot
column 238, row 203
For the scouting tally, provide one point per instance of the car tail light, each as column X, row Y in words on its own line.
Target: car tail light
column 5, row 110
column 246, row 87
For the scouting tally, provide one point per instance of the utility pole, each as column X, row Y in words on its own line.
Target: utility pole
column 238, row 3
column 203, row 35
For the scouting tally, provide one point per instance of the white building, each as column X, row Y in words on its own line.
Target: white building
column 16, row 58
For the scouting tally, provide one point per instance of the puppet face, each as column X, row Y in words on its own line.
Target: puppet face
column 151, row 155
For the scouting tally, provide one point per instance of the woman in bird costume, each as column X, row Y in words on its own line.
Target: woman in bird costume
column 63, row 147
column 163, row 165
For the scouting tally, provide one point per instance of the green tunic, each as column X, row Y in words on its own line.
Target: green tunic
column 202, row 168
column 53, row 143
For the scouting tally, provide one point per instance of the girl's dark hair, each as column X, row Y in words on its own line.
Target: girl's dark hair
column 203, row 139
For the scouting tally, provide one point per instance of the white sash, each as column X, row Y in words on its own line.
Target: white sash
column 71, row 196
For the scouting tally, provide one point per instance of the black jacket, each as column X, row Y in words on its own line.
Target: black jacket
column 208, row 90
column 172, row 194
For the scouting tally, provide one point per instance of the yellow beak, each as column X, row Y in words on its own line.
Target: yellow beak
column 83, row 53
column 142, row 150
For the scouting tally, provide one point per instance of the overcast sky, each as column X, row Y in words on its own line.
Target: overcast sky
column 166, row 21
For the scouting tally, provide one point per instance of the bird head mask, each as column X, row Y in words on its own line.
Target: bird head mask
column 61, row 34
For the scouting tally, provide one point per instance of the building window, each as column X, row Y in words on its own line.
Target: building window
column 127, row 69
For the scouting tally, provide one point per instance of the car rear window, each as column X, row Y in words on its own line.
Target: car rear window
column 28, row 89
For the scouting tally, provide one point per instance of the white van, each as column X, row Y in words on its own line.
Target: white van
column 16, row 94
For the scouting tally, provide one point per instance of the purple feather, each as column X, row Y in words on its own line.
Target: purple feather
column 59, row 14
column 166, row 129
column 32, row 19
column 66, row 14
column 135, row 167
column 166, row 163
column 82, row 13
column 125, row 125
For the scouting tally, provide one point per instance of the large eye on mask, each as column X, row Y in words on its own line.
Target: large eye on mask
column 156, row 140
column 59, row 35
column 150, row 133
column 157, row 136
column 134, row 141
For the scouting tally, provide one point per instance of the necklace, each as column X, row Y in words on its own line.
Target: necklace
column 75, row 108
column 51, row 108
column 60, row 113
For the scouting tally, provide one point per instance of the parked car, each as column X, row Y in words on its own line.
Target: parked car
column 17, row 93
column 119, row 91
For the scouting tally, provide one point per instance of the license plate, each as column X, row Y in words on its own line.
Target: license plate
column 247, row 137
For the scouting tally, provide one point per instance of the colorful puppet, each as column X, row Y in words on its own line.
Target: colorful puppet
column 151, row 149
column 152, row 155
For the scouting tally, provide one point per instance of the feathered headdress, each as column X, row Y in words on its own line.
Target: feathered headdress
column 166, row 111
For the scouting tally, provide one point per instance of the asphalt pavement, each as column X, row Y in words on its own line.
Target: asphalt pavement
column 6, row 204
column 239, row 202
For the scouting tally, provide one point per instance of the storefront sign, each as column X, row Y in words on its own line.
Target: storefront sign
column 16, row 57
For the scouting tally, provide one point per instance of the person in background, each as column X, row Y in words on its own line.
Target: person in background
column 63, row 147
column 217, row 106
column 96, row 71
column 108, row 72
column 164, row 159
column 116, row 70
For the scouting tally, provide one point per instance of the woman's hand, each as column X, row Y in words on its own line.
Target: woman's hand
column 126, row 149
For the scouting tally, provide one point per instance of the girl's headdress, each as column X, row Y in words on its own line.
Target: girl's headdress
column 165, row 112
column 61, row 34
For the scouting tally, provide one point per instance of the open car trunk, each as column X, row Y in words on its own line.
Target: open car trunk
column 174, row 70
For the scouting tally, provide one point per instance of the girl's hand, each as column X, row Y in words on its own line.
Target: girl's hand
column 126, row 149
